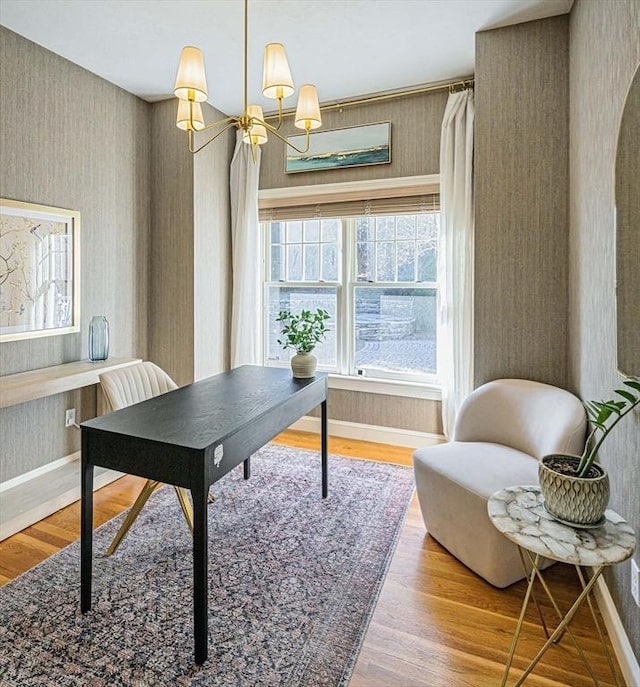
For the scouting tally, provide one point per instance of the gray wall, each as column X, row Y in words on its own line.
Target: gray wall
column 190, row 220
column 70, row 139
column 171, row 283
column 415, row 414
column 605, row 51
column 212, row 253
column 415, row 142
column 521, row 202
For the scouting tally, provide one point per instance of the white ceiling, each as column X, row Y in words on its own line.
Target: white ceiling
column 345, row 47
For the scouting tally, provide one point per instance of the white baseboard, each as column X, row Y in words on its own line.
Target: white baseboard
column 619, row 640
column 382, row 435
column 41, row 492
column 32, row 474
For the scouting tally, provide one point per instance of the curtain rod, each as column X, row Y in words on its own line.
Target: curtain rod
column 453, row 86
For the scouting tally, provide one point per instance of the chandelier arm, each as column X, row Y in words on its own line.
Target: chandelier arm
column 213, row 125
column 274, row 131
column 213, row 138
column 280, row 118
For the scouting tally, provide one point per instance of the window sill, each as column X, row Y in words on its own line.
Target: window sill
column 386, row 387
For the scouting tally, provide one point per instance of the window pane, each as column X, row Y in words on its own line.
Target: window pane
column 294, row 232
column 385, row 261
column 406, row 260
column 330, row 230
column 294, row 262
column 406, row 227
column 365, row 261
column 296, row 299
column 395, row 329
column 312, row 262
column 277, row 263
column 427, row 226
column 365, row 228
column 385, row 228
column 329, row 262
column 427, row 261
column 311, row 230
column 277, row 232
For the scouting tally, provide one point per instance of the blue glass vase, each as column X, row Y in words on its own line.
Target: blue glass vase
column 98, row 338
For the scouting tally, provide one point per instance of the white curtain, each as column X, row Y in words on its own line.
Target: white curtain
column 246, row 252
column 455, row 256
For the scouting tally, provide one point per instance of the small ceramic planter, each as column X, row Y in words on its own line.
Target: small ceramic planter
column 579, row 501
column 303, row 365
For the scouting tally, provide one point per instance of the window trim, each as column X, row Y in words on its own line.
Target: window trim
column 355, row 190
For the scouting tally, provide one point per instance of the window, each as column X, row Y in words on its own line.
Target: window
column 376, row 276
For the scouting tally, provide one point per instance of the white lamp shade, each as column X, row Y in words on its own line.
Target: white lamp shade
column 308, row 110
column 257, row 133
column 189, row 116
column 276, row 75
column 191, row 80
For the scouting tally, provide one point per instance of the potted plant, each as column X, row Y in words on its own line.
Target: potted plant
column 576, row 488
column 302, row 332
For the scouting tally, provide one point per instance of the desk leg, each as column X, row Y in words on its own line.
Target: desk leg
column 86, row 527
column 247, row 468
column 200, row 576
column 325, row 476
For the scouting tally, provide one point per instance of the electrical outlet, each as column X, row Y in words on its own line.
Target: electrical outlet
column 635, row 582
column 70, row 417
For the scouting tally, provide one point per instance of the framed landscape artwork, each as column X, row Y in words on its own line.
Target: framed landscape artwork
column 352, row 146
column 39, row 270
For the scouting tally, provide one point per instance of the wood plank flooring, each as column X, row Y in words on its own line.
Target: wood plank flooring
column 436, row 624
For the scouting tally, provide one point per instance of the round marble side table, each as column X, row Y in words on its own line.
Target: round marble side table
column 519, row 514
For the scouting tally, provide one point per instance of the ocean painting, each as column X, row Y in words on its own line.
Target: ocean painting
column 352, row 146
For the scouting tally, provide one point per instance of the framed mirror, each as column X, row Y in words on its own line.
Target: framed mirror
column 627, row 190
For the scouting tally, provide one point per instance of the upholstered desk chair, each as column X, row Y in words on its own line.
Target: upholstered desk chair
column 501, row 432
column 123, row 388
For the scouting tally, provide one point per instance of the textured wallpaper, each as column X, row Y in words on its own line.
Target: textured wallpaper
column 521, row 202
column 415, row 142
column 97, row 163
column 605, row 51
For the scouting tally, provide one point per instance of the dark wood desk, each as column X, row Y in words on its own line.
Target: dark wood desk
column 191, row 437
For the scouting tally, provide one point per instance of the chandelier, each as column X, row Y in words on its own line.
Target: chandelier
column 191, row 90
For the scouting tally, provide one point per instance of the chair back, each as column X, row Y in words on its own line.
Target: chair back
column 133, row 384
column 532, row 417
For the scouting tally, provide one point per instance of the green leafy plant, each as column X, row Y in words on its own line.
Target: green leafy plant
column 303, row 331
column 603, row 417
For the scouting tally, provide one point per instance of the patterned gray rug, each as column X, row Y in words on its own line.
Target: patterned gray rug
column 292, row 584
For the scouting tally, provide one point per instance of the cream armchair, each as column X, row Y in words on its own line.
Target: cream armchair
column 501, row 432
column 122, row 388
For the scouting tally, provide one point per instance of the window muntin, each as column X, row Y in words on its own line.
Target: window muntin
column 401, row 248
column 304, row 250
column 383, row 311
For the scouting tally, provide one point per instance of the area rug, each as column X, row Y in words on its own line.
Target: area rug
column 293, row 580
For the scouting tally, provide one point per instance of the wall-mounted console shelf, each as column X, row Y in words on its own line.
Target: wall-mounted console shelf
column 28, row 386
column 35, row 495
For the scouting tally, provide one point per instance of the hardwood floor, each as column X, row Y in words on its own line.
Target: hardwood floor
column 436, row 624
